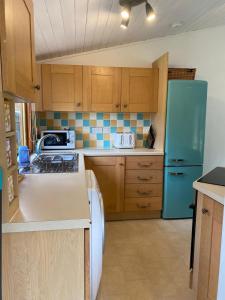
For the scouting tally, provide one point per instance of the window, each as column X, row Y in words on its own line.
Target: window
column 20, row 116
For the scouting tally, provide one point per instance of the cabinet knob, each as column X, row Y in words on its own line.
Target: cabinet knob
column 78, row 104
column 121, row 164
column 205, row 211
column 37, row 87
column 117, row 105
column 125, row 106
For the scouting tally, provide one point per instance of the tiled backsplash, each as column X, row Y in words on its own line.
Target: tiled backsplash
column 96, row 129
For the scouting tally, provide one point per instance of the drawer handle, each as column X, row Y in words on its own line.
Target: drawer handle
column 145, row 165
column 143, row 206
column 144, row 178
column 144, row 193
column 205, row 211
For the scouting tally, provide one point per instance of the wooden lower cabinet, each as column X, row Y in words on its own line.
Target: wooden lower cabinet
column 46, row 265
column 207, row 248
column 110, row 175
column 131, row 185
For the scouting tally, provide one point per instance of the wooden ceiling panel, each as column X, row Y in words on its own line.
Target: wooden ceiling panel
column 74, row 26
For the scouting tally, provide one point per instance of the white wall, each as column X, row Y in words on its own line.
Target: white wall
column 203, row 49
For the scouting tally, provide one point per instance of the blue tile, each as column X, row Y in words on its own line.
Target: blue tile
column 147, row 123
column 64, row 122
column 99, row 136
column 140, row 136
column 79, row 136
column 86, row 123
column 106, row 144
column 113, row 129
column 133, row 129
column 43, row 122
column 99, row 116
column 86, row 144
column 140, row 116
column 120, row 116
column 57, row 115
column 79, row 116
column 106, row 123
column 127, row 123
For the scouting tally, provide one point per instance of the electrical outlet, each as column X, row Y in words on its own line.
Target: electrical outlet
column 96, row 130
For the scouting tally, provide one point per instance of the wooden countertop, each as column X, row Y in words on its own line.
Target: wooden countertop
column 119, row 152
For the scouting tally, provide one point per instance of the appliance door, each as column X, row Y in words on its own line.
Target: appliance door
column 52, row 143
column 178, row 191
column 97, row 233
column 185, row 124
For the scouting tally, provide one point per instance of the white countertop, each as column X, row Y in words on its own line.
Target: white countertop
column 52, row 201
column 119, row 152
column 215, row 192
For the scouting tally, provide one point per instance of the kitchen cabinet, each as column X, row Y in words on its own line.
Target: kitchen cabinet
column 51, row 264
column 139, row 90
column 207, row 247
column 62, row 88
column 131, row 185
column 110, row 175
column 39, row 100
column 102, row 88
column 17, row 45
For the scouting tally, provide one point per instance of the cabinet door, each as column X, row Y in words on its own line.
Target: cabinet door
column 19, row 74
column 102, row 89
column 62, row 87
column 211, row 214
column 110, row 175
column 139, row 90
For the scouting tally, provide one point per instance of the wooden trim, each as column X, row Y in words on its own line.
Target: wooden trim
column 159, row 118
column 87, row 266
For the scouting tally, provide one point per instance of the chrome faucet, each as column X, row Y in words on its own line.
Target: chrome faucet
column 39, row 143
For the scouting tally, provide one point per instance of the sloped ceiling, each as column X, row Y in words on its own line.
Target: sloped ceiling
column 73, row 26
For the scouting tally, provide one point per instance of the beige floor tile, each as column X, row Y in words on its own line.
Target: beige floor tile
column 146, row 260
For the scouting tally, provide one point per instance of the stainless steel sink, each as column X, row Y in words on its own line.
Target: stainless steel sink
column 52, row 163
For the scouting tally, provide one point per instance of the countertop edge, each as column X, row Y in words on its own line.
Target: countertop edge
column 120, row 152
column 210, row 191
column 45, row 225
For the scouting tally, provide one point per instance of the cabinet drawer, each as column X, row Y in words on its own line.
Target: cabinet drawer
column 143, row 204
column 144, row 162
column 102, row 160
column 144, row 176
column 143, row 190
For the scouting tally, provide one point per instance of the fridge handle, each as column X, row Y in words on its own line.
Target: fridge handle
column 176, row 173
column 177, row 160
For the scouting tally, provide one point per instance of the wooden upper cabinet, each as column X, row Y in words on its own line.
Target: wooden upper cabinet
column 102, row 88
column 139, row 90
column 18, row 55
column 39, row 102
column 62, row 87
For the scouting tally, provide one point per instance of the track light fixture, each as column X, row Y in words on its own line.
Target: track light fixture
column 124, row 23
column 126, row 10
column 150, row 14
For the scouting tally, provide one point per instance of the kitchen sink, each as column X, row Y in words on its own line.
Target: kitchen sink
column 52, row 163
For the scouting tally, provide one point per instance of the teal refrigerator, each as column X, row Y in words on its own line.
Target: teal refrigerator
column 184, row 145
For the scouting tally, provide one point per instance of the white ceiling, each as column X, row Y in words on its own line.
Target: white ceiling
column 73, row 26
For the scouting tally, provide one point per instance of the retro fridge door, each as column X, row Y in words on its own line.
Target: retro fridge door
column 185, row 124
column 178, row 191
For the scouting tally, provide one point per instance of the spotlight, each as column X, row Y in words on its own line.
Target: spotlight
column 150, row 14
column 124, row 24
column 125, row 12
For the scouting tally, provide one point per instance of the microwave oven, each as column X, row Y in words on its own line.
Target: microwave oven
column 66, row 141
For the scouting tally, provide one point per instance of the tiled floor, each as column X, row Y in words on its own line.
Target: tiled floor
column 146, row 260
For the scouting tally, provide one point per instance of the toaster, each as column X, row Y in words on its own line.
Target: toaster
column 124, row 140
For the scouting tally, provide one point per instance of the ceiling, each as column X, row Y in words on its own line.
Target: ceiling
column 73, row 26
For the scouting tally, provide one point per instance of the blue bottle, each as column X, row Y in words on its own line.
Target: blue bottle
column 23, row 156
